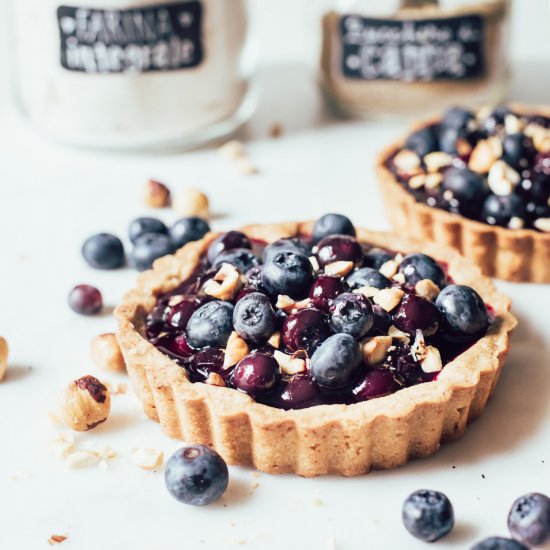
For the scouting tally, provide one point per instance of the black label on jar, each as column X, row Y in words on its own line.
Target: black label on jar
column 164, row 37
column 412, row 50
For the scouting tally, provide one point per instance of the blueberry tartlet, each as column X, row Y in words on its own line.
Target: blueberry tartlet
column 314, row 348
column 479, row 182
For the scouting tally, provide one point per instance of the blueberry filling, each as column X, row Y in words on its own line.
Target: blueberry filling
column 493, row 167
column 310, row 334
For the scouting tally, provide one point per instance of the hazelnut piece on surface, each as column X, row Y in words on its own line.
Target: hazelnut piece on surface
column 192, row 202
column 85, row 403
column 4, row 351
column 157, row 195
column 105, row 353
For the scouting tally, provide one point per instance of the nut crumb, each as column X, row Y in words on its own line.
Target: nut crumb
column 542, row 224
column 484, row 155
column 157, row 195
column 437, row 160
column 276, row 130
column 4, row 352
column 389, row 268
column 235, row 350
column 275, row 340
column 82, row 459
column 314, row 263
column 148, row 459
column 255, row 485
column 225, row 284
column 290, row 364
column 57, row 539
column 105, row 353
column 426, row 288
column 388, row 298
column 339, row 269
column 214, row 379
column 399, row 335
column 432, row 360
column 407, row 162
column 232, row 150
column 245, row 166
column 192, row 202
column 367, row 291
column 375, row 349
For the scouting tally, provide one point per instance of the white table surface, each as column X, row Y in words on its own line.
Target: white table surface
column 52, row 197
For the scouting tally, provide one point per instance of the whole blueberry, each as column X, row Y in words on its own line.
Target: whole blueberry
column 336, row 361
column 499, row 210
column 382, row 320
column 186, row 230
column 142, row 226
column 242, row 258
column 529, row 519
column 367, row 276
column 211, row 325
column 254, row 318
column 332, row 224
column 498, row 543
column 290, row 244
column 377, row 382
column 423, row 141
column 458, row 117
column 324, row 290
column 305, row 330
column 196, row 475
column 464, row 314
column 335, row 248
column 85, row 299
column 428, row 515
column 468, row 188
column 376, row 257
column 492, row 124
column 351, row 314
column 148, row 248
column 416, row 267
column 103, row 251
column 287, row 273
column 450, row 137
column 227, row 241
column 256, row 374
column 417, row 313
column 517, row 150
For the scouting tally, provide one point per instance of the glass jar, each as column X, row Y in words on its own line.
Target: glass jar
column 413, row 56
column 134, row 74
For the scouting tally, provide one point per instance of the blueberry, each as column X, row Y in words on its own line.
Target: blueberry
column 186, row 230
column 332, row 224
column 142, row 226
column 498, row 543
column 458, row 117
column 464, row 314
column 148, row 248
column 85, row 299
column 367, row 276
column 287, row 273
column 499, row 210
column 286, row 245
column 336, row 248
column 256, row 374
column 428, row 515
column 254, row 318
column 449, row 139
column 227, row 241
column 417, row 313
column 210, row 325
column 416, row 267
column 377, row 382
column 242, row 258
column 196, row 475
column 336, row 361
column 351, row 314
column 324, row 290
column 305, row 330
column 423, row 141
column 254, row 276
column 529, row 519
column 495, row 121
column 382, row 320
column 376, row 258
column 103, row 251
column 517, row 150
column 468, row 189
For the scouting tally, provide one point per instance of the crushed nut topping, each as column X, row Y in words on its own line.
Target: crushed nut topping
column 512, row 124
column 4, row 352
column 375, row 349
column 245, row 166
column 407, row 162
column 339, row 269
column 399, row 335
column 484, row 155
column 418, row 347
column 388, row 298
column 314, row 263
column 275, row 340
column 290, row 364
column 426, row 288
column 82, row 459
column 157, row 195
column 432, row 360
column 105, row 353
column 225, row 284
column 389, row 268
column 437, row 160
column 214, row 379
column 516, row 223
column 502, row 179
column 399, row 278
column 542, row 224
column 367, row 291
column 148, row 459
column 235, row 350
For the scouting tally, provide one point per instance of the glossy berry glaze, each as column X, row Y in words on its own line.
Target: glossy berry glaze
column 497, row 170
column 325, row 329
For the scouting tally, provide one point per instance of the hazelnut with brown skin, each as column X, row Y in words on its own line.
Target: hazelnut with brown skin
column 192, row 202
column 4, row 350
column 85, row 404
column 105, row 353
column 157, row 195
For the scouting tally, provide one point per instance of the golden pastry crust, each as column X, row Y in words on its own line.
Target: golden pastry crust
column 326, row 439
column 520, row 255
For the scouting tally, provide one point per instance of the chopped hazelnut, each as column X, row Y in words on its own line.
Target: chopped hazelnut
column 502, row 179
column 516, row 223
column 367, row 291
column 437, row 160
column 148, row 459
column 82, row 459
column 407, row 162
column 284, row 302
column 275, row 340
column 542, row 224
column 389, row 268
column 85, row 403
column 399, row 335
column 433, row 181
column 157, row 195
column 214, row 379
column 290, row 364
column 225, row 284
column 236, row 350
column 388, row 298
column 399, row 278
column 339, row 269
column 314, row 263
column 418, row 347
column 175, row 300
column 432, row 360
column 418, row 181
column 512, row 124
column 276, row 130
column 4, row 352
column 57, row 539
column 232, row 149
column 427, row 289
column 192, row 202
column 374, row 349
column 106, row 354
column 483, row 157
column 245, row 166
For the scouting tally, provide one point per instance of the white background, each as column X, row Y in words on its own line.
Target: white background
column 52, row 197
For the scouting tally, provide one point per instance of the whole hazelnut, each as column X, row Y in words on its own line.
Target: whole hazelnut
column 105, row 353
column 85, row 403
column 157, row 195
column 192, row 202
column 4, row 350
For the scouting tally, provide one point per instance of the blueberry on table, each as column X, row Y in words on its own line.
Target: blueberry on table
column 351, row 314
column 423, row 141
column 367, row 276
column 305, row 330
column 103, row 251
column 242, row 258
column 499, row 210
column 498, row 543
column 416, row 267
column 335, row 248
column 428, row 515
column 324, row 290
column 290, row 244
column 141, row 226
column 187, row 230
column 336, row 361
column 529, row 519
column 196, row 475
column 227, row 241
column 254, row 318
column 85, row 299
column 464, row 315
column 211, row 325
column 287, row 273
column 148, row 248
column 332, row 224
column 256, row 374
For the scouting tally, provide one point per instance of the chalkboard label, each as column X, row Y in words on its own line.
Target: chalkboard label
column 164, row 37
column 412, row 50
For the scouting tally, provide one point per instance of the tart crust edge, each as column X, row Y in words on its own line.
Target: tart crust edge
column 326, row 439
